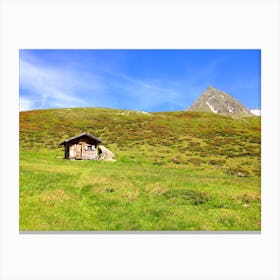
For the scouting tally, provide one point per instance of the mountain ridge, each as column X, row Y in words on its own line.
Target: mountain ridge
column 218, row 102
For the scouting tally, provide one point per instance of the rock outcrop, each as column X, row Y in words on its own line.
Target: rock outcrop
column 105, row 154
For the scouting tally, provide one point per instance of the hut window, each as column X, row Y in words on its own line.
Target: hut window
column 89, row 148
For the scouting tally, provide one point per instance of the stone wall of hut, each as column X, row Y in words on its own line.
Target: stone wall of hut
column 82, row 150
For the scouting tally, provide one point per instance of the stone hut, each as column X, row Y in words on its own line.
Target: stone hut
column 83, row 146
column 86, row 146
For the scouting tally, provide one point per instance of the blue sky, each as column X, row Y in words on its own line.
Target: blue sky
column 146, row 80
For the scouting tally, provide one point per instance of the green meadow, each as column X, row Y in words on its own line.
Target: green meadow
column 174, row 171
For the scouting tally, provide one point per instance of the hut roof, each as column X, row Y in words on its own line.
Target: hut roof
column 81, row 135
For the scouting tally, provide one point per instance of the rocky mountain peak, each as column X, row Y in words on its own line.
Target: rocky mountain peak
column 216, row 101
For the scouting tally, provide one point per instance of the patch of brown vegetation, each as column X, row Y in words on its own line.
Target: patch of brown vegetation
column 156, row 188
column 54, row 196
column 247, row 197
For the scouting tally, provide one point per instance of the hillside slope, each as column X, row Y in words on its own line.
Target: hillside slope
column 162, row 138
column 174, row 171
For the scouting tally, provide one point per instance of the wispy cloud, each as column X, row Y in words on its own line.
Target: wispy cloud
column 45, row 85
column 26, row 104
column 146, row 95
column 134, row 80
column 53, row 87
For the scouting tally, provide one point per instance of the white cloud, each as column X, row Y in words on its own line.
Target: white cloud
column 25, row 104
column 54, row 87
column 147, row 95
column 256, row 112
column 62, row 85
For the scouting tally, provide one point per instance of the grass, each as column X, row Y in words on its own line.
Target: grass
column 174, row 171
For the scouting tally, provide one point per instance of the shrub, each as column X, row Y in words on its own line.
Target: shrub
column 217, row 161
column 176, row 160
column 195, row 161
column 193, row 196
column 237, row 171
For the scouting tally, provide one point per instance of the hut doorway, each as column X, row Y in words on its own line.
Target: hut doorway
column 78, row 151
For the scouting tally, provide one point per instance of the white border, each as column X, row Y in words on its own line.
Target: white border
column 140, row 24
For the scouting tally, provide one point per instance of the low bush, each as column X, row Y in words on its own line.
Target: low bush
column 192, row 196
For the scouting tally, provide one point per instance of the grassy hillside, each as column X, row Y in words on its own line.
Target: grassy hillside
column 174, row 171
